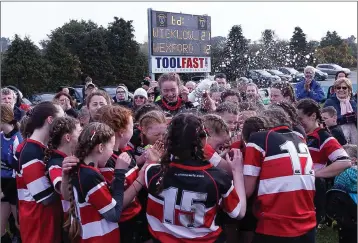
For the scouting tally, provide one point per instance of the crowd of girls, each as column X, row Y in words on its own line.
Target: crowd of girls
column 238, row 173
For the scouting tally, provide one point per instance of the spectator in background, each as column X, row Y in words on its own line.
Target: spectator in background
column 329, row 117
column 346, row 108
column 140, row 97
column 122, row 96
column 67, row 103
column 220, row 78
column 84, row 116
column 253, row 96
column 308, row 87
column 215, row 93
column 190, row 85
column 341, row 74
column 19, row 99
column 145, row 84
column 151, row 95
column 9, row 97
column 241, row 86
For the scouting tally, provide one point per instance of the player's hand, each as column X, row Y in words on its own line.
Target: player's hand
column 123, row 161
column 234, row 157
column 154, row 154
column 68, row 164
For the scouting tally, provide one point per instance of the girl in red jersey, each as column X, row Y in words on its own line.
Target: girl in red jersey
column 39, row 210
column 151, row 128
column 278, row 173
column 95, row 208
column 132, row 222
column 64, row 133
column 329, row 157
column 190, row 187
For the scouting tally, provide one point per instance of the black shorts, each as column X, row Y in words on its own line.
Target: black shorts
column 309, row 237
column 249, row 222
column 9, row 189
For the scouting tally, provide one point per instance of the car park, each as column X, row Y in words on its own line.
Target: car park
column 262, row 78
column 284, row 77
column 40, row 97
column 332, row 69
column 296, row 75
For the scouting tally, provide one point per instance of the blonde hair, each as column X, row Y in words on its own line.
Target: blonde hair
column 152, row 117
column 347, row 81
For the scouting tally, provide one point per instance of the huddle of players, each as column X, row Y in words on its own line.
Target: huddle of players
column 146, row 180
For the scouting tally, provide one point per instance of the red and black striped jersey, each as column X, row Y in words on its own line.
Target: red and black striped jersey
column 186, row 209
column 286, row 183
column 54, row 168
column 40, row 222
column 134, row 207
column 93, row 198
column 324, row 148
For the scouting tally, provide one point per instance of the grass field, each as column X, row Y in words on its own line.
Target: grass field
column 327, row 235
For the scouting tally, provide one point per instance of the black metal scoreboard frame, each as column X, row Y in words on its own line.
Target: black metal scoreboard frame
column 178, row 35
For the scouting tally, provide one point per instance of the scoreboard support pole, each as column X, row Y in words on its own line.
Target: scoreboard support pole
column 152, row 75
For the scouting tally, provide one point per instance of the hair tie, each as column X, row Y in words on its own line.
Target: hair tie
column 93, row 133
column 30, row 112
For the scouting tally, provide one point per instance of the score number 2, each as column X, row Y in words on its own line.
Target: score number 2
column 289, row 146
column 192, row 211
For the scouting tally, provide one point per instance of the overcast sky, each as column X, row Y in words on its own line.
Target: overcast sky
column 315, row 18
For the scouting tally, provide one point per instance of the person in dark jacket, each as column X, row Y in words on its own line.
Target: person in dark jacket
column 122, row 96
column 308, row 87
column 346, row 108
column 329, row 117
column 9, row 97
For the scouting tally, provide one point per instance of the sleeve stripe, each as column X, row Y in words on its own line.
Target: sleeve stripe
column 228, row 192
column 337, row 154
column 236, row 211
column 106, row 169
column 146, row 174
column 55, row 167
column 326, row 141
column 57, row 180
column 251, row 170
column 32, row 162
column 258, row 148
column 39, row 185
column 131, row 171
column 108, row 207
column 94, row 189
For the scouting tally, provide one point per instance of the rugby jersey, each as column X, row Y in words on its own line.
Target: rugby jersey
column 286, row 185
column 134, row 207
column 192, row 193
column 324, row 148
column 92, row 199
column 40, row 222
column 54, row 168
column 9, row 143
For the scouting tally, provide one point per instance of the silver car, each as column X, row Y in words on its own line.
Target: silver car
column 332, row 69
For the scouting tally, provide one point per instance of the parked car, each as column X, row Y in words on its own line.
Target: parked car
column 296, row 75
column 284, row 77
column 262, row 78
column 40, row 97
column 319, row 75
column 332, row 69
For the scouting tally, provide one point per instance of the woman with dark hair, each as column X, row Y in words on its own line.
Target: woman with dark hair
column 66, row 102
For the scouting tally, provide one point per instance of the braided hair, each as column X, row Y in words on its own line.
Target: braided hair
column 289, row 109
column 92, row 134
column 59, row 127
column 215, row 124
column 183, row 141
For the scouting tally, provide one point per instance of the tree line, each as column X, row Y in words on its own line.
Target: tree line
column 110, row 55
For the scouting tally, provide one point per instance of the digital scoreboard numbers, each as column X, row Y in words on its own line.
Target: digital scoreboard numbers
column 176, row 34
